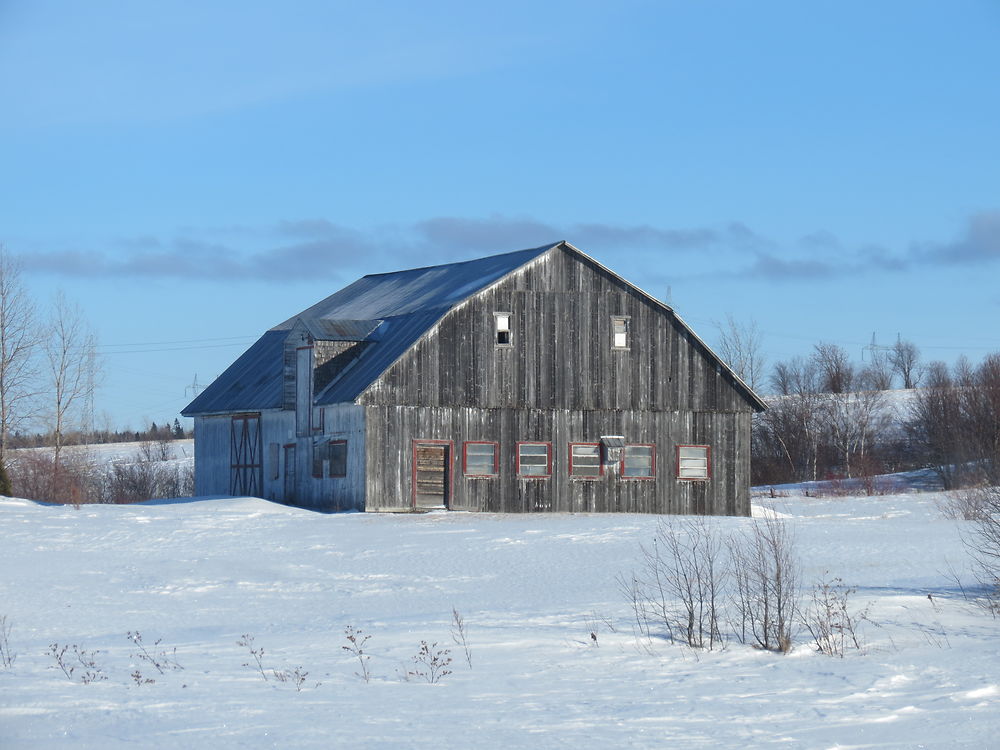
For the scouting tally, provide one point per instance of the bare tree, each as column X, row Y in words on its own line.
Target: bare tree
column 71, row 367
column 905, row 360
column 790, row 432
column 877, row 375
column 740, row 347
column 836, row 373
column 18, row 341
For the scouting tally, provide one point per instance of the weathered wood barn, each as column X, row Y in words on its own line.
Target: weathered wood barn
column 536, row 380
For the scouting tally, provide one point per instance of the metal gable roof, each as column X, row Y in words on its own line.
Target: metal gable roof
column 389, row 310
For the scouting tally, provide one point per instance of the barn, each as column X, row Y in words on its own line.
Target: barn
column 531, row 381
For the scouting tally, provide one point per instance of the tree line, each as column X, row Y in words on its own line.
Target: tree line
column 830, row 417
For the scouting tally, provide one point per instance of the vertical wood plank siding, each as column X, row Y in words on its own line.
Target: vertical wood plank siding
column 561, row 382
column 390, row 430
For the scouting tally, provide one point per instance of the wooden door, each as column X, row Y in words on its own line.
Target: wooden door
column 289, row 474
column 246, row 467
column 431, row 474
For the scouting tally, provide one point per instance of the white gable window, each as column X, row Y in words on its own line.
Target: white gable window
column 620, row 330
column 503, row 337
column 694, row 462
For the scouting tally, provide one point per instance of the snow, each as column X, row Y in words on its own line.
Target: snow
column 201, row 573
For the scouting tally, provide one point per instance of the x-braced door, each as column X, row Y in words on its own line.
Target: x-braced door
column 246, row 468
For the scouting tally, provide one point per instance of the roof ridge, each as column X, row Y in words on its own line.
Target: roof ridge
column 540, row 249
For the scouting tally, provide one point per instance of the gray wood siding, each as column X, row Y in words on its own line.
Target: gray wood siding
column 344, row 422
column 391, row 431
column 211, row 455
column 561, row 357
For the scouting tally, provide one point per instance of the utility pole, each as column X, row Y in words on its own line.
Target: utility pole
column 194, row 389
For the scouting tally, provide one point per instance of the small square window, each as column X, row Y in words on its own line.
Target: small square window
column 620, row 329
column 585, row 460
column 694, row 462
column 639, row 462
column 481, row 459
column 332, row 453
column 503, row 337
column 534, row 459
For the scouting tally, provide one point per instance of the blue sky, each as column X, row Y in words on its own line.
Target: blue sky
column 194, row 173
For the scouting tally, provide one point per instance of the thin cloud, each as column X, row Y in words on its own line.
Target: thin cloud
column 979, row 244
column 304, row 249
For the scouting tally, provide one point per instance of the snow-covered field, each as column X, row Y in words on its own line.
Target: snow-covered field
column 203, row 573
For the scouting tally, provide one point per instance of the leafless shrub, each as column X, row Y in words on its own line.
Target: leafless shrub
column 830, row 620
column 356, row 641
column 766, row 595
column 82, row 663
column 35, row 475
column 257, row 654
column 982, row 541
column 964, row 505
column 295, row 676
column 7, row 657
column 158, row 658
column 680, row 585
column 637, row 596
column 138, row 679
column 458, row 635
column 148, row 475
column 431, row 662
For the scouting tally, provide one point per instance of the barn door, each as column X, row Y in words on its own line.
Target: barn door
column 246, row 469
column 431, row 474
column 290, row 473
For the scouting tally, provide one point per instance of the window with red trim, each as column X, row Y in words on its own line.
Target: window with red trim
column 480, row 459
column 639, row 461
column 694, row 462
column 534, row 459
column 585, row 460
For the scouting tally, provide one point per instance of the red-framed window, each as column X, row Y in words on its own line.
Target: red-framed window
column 694, row 462
column 585, row 460
column 534, row 460
column 639, row 461
column 480, row 458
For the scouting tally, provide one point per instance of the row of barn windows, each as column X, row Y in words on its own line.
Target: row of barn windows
column 534, row 460
column 585, row 460
column 620, row 330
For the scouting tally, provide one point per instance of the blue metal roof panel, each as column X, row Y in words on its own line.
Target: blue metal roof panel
column 389, row 295
column 390, row 310
column 254, row 381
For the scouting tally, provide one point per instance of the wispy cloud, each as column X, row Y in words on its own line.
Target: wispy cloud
column 979, row 243
column 311, row 247
column 304, row 249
